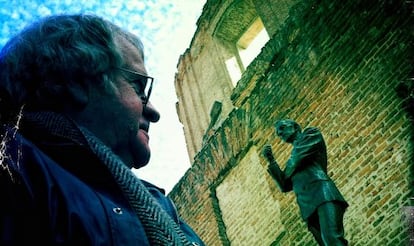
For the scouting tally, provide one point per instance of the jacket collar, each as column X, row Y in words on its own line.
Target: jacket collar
column 61, row 139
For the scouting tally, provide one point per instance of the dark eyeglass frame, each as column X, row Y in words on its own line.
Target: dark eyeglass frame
column 150, row 80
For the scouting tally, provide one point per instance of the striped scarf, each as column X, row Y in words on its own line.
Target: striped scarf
column 159, row 227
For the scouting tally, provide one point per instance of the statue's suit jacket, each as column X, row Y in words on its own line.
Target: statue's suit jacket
column 306, row 173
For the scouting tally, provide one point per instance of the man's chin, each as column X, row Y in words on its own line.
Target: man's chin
column 142, row 161
column 138, row 166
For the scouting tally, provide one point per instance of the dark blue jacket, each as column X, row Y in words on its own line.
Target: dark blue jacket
column 74, row 202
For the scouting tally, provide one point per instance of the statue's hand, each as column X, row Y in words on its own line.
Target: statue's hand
column 267, row 152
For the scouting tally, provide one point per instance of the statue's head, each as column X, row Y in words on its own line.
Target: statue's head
column 287, row 129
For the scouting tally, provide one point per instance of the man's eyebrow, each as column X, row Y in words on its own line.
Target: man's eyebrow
column 132, row 77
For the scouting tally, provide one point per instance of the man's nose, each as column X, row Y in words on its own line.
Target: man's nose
column 151, row 113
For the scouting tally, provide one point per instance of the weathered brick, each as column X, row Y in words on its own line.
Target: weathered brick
column 332, row 64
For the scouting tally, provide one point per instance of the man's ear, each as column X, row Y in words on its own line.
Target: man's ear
column 79, row 95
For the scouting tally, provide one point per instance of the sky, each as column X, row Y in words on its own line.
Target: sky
column 166, row 28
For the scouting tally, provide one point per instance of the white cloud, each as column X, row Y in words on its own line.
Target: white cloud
column 43, row 10
column 135, row 5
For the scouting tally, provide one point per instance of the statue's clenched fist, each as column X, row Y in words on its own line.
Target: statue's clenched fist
column 267, row 152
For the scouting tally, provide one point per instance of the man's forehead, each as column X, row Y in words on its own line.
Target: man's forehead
column 132, row 55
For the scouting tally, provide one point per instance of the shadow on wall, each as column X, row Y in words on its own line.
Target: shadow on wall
column 405, row 90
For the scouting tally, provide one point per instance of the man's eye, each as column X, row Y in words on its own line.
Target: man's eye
column 138, row 86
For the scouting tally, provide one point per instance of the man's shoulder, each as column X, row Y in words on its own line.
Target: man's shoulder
column 310, row 136
column 12, row 145
column 19, row 153
column 310, row 133
column 311, row 129
column 152, row 187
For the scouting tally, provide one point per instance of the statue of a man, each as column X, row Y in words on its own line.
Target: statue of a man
column 321, row 204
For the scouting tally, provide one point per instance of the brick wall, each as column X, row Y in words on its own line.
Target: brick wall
column 335, row 65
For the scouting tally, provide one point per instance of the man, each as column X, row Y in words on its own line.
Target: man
column 75, row 111
column 321, row 204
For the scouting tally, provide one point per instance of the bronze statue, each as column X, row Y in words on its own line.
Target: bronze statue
column 321, row 204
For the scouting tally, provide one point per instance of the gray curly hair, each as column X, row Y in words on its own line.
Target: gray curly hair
column 38, row 65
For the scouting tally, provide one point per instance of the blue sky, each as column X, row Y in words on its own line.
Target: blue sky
column 166, row 28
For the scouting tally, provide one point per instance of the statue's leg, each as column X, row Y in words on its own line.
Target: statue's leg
column 331, row 216
column 314, row 228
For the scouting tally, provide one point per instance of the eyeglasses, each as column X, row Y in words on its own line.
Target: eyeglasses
column 142, row 84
